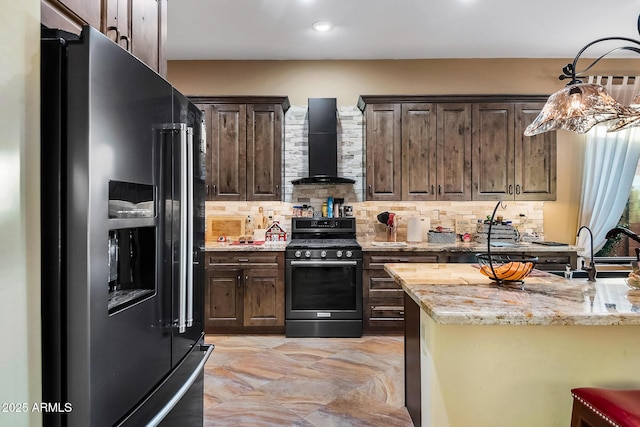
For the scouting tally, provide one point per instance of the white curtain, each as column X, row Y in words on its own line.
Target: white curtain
column 610, row 163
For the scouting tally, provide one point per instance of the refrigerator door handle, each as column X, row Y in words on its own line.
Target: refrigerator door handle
column 184, row 220
column 189, row 263
column 157, row 419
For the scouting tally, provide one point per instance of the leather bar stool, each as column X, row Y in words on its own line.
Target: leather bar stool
column 601, row 407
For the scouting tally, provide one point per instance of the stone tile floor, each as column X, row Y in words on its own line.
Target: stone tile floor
column 271, row 380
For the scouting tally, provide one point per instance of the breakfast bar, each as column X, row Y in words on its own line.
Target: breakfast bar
column 508, row 355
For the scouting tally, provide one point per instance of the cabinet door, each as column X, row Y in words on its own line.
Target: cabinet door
column 222, row 298
column 145, row 31
column 263, row 297
column 454, row 152
column 493, row 160
column 264, row 151
column 70, row 15
column 535, row 157
column 383, row 152
column 227, row 154
column 52, row 16
column 116, row 22
column 418, row 151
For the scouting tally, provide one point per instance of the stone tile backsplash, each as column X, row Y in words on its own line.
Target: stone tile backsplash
column 351, row 165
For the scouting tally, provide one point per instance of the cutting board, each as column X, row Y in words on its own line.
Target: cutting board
column 228, row 226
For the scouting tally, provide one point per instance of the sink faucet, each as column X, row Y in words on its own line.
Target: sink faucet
column 591, row 270
column 621, row 230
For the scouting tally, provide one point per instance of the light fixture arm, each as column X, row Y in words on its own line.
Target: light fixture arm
column 569, row 71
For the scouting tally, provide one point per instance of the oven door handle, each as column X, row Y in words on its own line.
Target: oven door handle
column 323, row 263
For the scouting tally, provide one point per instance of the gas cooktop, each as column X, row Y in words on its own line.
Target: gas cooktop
column 323, row 243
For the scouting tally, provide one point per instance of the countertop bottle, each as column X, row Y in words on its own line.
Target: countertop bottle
column 324, row 209
column 330, row 207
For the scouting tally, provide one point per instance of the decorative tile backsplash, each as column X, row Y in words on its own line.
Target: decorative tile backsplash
column 351, row 165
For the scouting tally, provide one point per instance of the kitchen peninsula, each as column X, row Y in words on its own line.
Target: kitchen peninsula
column 508, row 355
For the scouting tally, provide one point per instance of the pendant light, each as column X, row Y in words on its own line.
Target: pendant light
column 580, row 106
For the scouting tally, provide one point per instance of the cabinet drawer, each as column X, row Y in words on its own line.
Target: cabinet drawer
column 234, row 259
column 392, row 312
column 555, row 263
column 377, row 262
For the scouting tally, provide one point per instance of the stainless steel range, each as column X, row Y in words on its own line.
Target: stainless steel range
column 323, row 279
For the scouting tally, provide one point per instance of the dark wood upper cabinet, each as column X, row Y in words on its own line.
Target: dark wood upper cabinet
column 383, row 151
column 535, row 157
column 456, row 148
column 244, row 147
column 507, row 164
column 138, row 26
column 265, row 124
column 454, row 152
column 493, row 161
column 419, row 148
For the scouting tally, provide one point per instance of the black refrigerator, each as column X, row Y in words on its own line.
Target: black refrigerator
column 122, row 196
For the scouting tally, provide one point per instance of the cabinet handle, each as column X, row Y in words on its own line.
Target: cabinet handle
column 401, row 313
column 518, row 189
column 433, row 189
column 277, row 190
column 510, row 189
column 215, row 190
column 370, row 191
column 246, row 279
column 439, row 189
column 239, row 278
column 115, row 40
column 243, row 259
column 127, row 39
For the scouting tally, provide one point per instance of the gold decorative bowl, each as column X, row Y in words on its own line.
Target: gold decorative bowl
column 506, row 268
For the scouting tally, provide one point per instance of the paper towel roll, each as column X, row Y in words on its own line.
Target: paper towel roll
column 414, row 230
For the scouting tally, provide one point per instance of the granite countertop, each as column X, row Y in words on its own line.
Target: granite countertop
column 458, row 294
column 405, row 247
column 226, row 247
column 463, row 247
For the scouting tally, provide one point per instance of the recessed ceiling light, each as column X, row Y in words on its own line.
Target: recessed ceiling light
column 322, row 26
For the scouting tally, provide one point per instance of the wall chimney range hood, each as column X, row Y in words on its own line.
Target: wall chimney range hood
column 323, row 144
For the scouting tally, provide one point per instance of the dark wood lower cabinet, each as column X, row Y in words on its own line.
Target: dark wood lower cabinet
column 244, row 292
column 412, row 376
column 383, row 297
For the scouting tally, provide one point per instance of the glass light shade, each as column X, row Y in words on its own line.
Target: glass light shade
column 576, row 108
column 631, row 119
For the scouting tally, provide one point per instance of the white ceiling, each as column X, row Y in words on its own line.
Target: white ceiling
column 394, row 29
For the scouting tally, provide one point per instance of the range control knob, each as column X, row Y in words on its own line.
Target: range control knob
column 323, row 254
column 339, row 254
column 349, row 254
column 298, row 254
column 307, row 254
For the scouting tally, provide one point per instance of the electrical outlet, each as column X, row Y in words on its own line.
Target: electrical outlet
column 249, row 219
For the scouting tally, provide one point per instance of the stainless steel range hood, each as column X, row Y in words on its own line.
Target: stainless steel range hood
column 323, row 144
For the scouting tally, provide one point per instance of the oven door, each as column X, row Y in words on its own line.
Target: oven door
column 323, row 289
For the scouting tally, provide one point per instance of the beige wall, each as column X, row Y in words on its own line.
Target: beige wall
column 346, row 80
column 20, row 210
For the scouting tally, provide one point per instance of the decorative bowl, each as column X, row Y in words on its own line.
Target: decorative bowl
column 506, row 268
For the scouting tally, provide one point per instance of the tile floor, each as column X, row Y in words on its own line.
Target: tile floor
column 270, row 380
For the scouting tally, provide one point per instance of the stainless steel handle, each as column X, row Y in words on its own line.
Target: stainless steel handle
column 184, row 226
column 157, row 419
column 190, row 247
column 370, row 191
column 518, row 189
column 115, row 40
column 127, row 39
column 439, row 189
column 510, row 190
column 277, row 190
column 323, row 263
